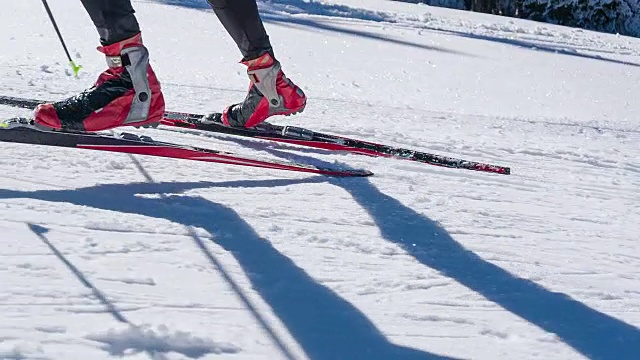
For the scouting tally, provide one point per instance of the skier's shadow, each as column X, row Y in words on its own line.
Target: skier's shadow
column 323, row 324
column 588, row 331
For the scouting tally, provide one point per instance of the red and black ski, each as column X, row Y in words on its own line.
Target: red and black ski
column 302, row 137
column 20, row 131
column 305, row 137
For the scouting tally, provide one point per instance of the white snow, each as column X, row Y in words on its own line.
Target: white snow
column 110, row 256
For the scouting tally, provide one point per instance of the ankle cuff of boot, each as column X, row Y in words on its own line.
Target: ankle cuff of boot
column 113, row 53
column 264, row 61
column 115, row 49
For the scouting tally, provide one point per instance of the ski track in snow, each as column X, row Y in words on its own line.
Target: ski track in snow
column 108, row 256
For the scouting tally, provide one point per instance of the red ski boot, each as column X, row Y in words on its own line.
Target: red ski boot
column 126, row 94
column 270, row 93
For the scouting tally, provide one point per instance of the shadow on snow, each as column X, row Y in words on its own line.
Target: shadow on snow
column 325, row 325
column 283, row 12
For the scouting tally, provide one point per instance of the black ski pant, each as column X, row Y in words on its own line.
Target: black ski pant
column 115, row 21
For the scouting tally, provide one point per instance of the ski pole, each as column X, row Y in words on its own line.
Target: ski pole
column 76, row 68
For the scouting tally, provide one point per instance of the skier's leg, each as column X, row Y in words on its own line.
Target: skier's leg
column 270, row 93
column 242, row 21
column 114, row 19
column 127, row 93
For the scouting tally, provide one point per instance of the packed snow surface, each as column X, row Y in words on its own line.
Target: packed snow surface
column 112, row 256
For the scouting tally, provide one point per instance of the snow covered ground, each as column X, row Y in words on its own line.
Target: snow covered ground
column 110, row 256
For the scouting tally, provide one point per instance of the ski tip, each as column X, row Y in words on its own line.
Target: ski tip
column 364, row 173
column 502, row 170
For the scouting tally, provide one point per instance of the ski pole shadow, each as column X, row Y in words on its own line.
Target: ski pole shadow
column 324, row 325
column 41, row 232
column 217, row 265
column 594, row 334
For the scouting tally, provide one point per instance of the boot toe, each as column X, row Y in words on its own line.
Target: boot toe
column 45, row 114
